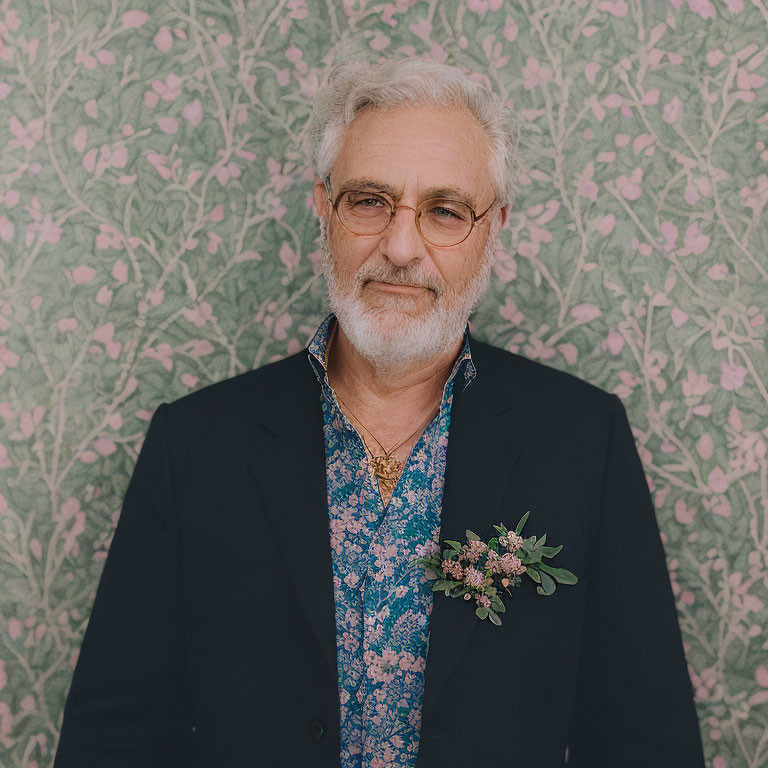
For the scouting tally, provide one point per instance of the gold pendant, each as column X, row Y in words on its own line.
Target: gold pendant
column 388, row 470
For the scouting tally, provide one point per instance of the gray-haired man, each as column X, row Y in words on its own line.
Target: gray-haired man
column 263, row 602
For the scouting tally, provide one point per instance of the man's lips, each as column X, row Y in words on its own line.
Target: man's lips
column 409, row 290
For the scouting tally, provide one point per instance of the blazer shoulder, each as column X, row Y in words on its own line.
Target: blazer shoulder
column 539, row 383
column 252, row 391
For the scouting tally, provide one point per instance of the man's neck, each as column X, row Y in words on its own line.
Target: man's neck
column 375, row 391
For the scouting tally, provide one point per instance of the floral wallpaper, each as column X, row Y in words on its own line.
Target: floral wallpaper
column 157, row 235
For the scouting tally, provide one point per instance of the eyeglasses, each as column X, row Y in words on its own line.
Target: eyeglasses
column 440, row 221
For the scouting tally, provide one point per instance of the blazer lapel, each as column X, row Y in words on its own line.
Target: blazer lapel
column 290, row 473
column 483, row 445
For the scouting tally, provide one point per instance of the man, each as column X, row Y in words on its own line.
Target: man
column 262, row 603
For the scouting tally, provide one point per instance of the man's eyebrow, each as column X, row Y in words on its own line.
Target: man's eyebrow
column 369, row 185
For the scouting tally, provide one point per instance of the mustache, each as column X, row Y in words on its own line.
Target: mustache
column 399, row 276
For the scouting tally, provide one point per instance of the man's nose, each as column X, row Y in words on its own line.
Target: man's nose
column 401, row 242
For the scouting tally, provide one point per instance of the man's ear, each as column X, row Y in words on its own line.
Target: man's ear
column 499, row 221
column 321, row 200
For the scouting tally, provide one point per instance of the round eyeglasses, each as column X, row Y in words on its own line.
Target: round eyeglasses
column 440, row 221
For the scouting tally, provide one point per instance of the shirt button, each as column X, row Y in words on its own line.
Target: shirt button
column 317, row 729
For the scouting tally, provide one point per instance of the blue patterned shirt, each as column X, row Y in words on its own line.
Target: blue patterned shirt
column 382, row 602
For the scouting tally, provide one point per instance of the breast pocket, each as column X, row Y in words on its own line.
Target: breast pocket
column 527, row 607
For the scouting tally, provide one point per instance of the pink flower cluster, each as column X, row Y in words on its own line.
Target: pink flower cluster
column 511, row 541
column 453, row 568
column 475, row 550
column 508, row 564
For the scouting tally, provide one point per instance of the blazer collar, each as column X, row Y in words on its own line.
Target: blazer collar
column 483, row 444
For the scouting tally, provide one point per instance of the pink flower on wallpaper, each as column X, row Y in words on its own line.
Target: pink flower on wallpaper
column 510, row 29
column 605, row 225
column 104, row 334
column 704, row 8
column 290, row 258
column 673, row 111
column 199, row 314
column 134, row 18
column 308, row 85
column 614, row 343
column 732, row 376
column 510, row 312
column 756, row 198
column 696, row 384
column 163, row 40
column 7, row 229
column 276, row 176
column 168, row 89
column 616, row 8
column 49, row 232
column 534, row 74
column 585, row 313
column 492, row 50
column 630, row 187
column 163, row 353
column 168, row 124
column 227, row 172
column 683, row 513
column 590, row 71
column 718, row 481
column 695, row 241
column 586, row 187
column 705, row 446
column 25, row 136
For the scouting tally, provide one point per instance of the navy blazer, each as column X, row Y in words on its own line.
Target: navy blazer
column 212, row 639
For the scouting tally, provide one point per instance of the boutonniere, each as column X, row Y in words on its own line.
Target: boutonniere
column 485, row 571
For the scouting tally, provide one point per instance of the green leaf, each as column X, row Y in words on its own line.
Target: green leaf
column 502, row 529
column 497, row 604
column 482, row 613
column 534, row 574
column 550, row 551
column 444, row 584
column 540, row 542
column 471, row 536
column 522, row 522
column 494, row 617
column 448, row 553
column 548, row 585
column 454, row 544
column 562, row 575
column 534, row 556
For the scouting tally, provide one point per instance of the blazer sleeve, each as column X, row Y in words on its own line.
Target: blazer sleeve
column 634, row 703
column 128, row 704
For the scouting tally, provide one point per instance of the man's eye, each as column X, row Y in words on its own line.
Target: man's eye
column 360, row 200
column 448, row 213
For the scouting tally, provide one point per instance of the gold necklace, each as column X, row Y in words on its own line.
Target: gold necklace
column 387, row 468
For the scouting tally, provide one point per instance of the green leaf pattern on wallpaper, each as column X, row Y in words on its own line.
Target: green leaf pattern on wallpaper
column 157, row 235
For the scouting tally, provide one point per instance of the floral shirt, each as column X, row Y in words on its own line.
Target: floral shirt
column 383, row 602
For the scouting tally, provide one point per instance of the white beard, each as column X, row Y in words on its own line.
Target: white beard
column 388, row 336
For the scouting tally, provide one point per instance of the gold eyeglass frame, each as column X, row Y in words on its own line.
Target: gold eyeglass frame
column 417, row 211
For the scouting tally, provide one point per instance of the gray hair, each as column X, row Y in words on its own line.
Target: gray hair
column 355, row 85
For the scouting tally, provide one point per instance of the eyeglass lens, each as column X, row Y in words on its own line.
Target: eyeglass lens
column 441, row 221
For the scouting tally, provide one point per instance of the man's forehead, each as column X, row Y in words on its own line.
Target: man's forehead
column 441, row 151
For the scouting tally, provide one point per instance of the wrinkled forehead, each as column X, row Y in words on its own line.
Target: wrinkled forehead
column 416, row 149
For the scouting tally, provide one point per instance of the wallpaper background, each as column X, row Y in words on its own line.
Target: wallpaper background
column 157, row 235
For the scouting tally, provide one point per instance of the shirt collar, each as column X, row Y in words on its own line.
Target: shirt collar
column 317, row 351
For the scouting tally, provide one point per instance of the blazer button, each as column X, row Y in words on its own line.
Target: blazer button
column 317, row 729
